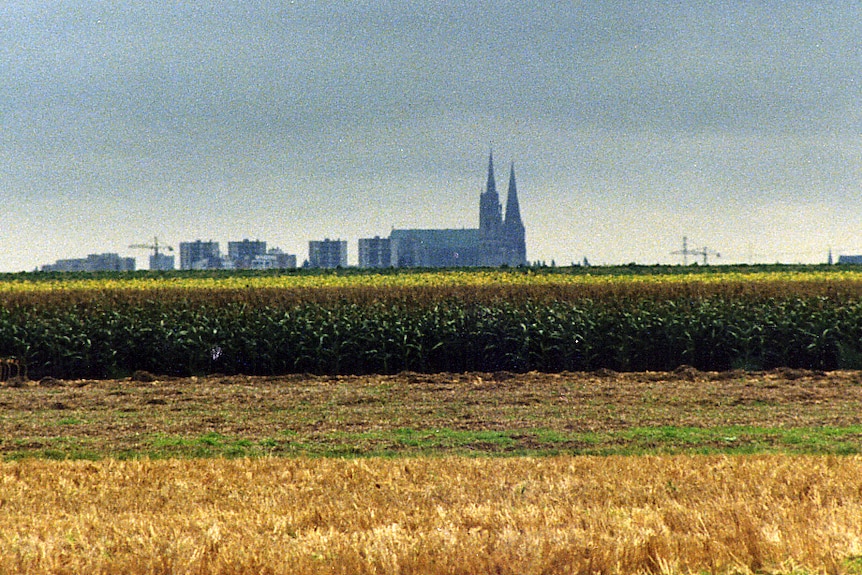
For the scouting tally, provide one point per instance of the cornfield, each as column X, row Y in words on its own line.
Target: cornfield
column 507, row 320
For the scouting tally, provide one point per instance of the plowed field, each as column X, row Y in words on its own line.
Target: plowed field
column 441, row 414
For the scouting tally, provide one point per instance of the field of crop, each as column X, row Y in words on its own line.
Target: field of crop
column 642, row 421
column 505, row 320
column 560, row 515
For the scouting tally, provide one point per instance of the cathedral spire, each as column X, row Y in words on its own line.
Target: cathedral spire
column 491, row 187
column 490, row 210
column 513, row 210
column 513, row 227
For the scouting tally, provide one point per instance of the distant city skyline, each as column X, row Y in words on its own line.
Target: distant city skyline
column 736, row 125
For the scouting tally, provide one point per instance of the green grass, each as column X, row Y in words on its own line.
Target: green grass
column 854, row 565
column 207, row 445
column 445, row 441
column 70, row 421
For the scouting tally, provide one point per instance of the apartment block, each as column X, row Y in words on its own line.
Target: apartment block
column 200, row 255
column 327, row 253
column 241, row 254
column 377, row 252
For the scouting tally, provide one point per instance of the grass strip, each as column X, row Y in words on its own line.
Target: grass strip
column 407, row 442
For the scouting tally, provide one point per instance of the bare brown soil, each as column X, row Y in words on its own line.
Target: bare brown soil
column 358, row 414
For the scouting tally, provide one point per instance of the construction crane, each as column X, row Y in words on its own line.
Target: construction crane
column 685, row 252
column 154, row 246
column 157, row 260
column 703, row 252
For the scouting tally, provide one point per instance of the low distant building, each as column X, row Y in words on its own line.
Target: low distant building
column 241, row 254
column 850, row 260
column 437, row 248
column 376, row 252
column 66, row 265
column 274, row 259
column 199, row 255
column 327, row 254
column 93, row 263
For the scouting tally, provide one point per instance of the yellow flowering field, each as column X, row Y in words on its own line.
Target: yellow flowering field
column 422, row 278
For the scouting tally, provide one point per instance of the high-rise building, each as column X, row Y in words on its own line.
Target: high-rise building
column 496, row 242
column 161, row 262
column 376, row 252
column 199, row 255
column 327, row 254
column 243, row 253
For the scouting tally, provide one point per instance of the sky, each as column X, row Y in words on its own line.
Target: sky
column 631, row 125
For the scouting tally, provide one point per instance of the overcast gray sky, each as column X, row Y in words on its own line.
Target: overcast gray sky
column 631, row 124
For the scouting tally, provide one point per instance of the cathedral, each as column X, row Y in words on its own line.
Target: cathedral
column 498, row 241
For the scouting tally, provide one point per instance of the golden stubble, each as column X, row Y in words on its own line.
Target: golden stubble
column 676, row 514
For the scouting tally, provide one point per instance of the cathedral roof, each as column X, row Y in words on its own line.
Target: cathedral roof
column 453, row 238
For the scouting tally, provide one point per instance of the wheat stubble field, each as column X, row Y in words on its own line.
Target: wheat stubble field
column 672, row 514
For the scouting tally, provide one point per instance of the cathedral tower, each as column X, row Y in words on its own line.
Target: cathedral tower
column 513, row 227
column 490, row 211
column 496, row 242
